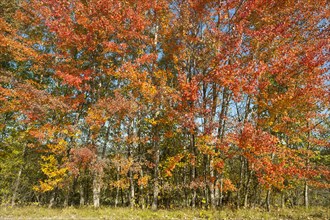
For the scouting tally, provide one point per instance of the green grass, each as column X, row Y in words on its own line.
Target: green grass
column 33, row 212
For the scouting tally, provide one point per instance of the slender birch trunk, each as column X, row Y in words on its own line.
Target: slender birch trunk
column 52, row 199
column 211, row 184
column 82, row 194
column 240, row 184
column 117, row 188
column 156, row 183
column 247, row 185
column 18, row 179
column 193, row 171
column 96, row 190
column 306, row 201
column 130, row 172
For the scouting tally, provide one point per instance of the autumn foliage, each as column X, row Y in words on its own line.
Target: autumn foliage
column 164, row 102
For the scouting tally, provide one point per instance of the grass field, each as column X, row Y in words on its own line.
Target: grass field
column 31, row 212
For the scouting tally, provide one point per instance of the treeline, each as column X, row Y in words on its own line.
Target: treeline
column 164, row 103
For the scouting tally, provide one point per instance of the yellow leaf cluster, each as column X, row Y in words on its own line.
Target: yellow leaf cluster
column 55, row 174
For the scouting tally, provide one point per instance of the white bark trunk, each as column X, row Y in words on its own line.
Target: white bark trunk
column 82, row 195
column 156, row 187
column 211, row 184
column 96, row 190
column 306, row 195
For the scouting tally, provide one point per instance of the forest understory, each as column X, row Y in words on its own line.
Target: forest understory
column 33, row 212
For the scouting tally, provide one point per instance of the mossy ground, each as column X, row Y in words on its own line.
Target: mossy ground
column 32, row 212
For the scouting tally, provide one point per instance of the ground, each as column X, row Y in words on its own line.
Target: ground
column 33, row 212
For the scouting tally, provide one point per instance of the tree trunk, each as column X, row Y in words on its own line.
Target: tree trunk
column 142, row 200
column 82, row 194
column 211, row 184
column 193, row 171
column 247, row 186
column 132, row 192
column 96, row 190
column 122, row 196
column 52, row 199
column 185, row 170
column 130, row 172
column 18, row 179
column 240, row 184
column 221, row 130
column 117, row 189
column 306, row 202
column 66, row 196
column 17, row 183
column 156, row 184
column 194, row 193
column 268, row 200
column 283, row 200
column 104, row 149
column 205, row 176
column 217, row 193
column 221, row 191
column 87, row 192
column 98, row 173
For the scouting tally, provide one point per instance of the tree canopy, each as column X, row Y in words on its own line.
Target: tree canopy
column 164, row 103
